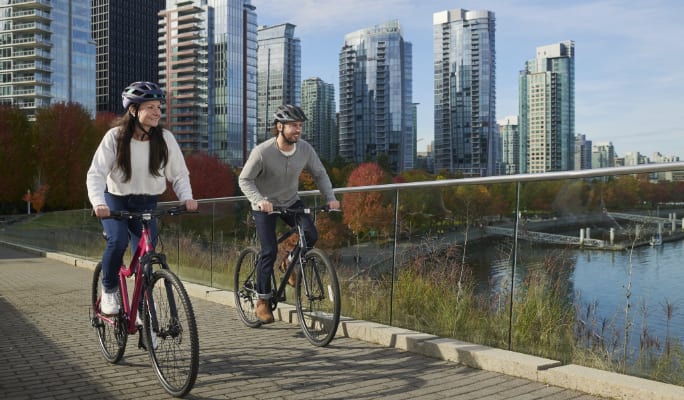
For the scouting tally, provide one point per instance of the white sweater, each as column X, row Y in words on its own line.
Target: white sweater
column 104, row 173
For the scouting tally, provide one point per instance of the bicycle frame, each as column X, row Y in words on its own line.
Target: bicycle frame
column 296, row 257
column 130, row 309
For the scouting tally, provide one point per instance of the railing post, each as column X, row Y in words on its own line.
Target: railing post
column 394, row 252
column 515, row 260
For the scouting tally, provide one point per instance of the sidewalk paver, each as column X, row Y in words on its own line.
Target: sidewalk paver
column 48, row 350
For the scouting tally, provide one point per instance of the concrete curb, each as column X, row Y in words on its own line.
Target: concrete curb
column 575, row 377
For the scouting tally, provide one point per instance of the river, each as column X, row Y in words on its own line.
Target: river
column 602, row 277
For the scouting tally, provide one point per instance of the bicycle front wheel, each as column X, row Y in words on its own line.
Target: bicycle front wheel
column 245, row 289
column 318, row 298
column 170, row 333
column 112, row 337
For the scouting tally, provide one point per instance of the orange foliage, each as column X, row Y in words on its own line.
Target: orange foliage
column 36, row 198
column 367, row 211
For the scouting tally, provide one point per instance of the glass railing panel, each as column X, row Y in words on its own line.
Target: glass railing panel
column 608, row 298
column 450, row 276
column 363, row 252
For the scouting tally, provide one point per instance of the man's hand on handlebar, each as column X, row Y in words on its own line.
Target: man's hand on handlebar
column 265, row 206
column 334, row 205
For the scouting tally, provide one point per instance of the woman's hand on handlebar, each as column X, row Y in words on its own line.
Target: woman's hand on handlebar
column 191, row 205
column 101, row 211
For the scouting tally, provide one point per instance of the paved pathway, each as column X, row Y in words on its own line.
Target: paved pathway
column 48, row 351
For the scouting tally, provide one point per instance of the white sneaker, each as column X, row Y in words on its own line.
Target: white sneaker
column 155, row 339
column 109, row 303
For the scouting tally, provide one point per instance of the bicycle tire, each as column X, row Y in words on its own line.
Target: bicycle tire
column 174, row 353
column 245, row 289
column 319, row 312
column 111, row 338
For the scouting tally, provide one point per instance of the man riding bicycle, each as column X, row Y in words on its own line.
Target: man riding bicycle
column 270, row 178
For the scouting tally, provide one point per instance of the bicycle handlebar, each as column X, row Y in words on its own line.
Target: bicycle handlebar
column 178, row 210
column 303, row 210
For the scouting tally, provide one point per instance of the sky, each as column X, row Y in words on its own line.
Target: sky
column 629, row 57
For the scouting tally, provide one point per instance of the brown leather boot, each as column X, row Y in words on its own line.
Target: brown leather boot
column 263, row 311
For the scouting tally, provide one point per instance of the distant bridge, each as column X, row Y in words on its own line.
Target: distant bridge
column 546, row 237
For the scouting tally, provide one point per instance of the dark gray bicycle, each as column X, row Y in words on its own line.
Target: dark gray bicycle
column 317, row 291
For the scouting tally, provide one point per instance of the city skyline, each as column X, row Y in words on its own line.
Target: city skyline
column 629, row 83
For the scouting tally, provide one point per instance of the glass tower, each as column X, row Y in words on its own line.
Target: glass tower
column 46, row 54
column 547, row 110
column 127, row 48
column 279, row 74
column 510, row 145
column 318, row 103
column 376, row 117
column 184, row 71
column 234, row 79
column 465, row 96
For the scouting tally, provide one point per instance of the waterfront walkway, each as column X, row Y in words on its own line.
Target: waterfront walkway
column 49, row 351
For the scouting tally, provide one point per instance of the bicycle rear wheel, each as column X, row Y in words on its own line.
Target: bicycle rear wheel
column 318, row 298
column 111, row 337
column 170, row 333
column 245, row 289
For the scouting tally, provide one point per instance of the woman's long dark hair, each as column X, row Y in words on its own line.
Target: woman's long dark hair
column 159, row 152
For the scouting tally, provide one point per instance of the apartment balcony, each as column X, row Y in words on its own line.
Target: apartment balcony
column 32, row 40
column 19, row 55
column 30, row 15
column 44, row 5
column 31, row 27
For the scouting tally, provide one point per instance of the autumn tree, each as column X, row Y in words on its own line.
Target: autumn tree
column 209, row 177
column 17, row 162
column 369, row 211
column 65, row 143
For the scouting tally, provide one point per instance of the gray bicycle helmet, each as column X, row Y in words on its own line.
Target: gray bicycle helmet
column 288, row 113
column 140, row 92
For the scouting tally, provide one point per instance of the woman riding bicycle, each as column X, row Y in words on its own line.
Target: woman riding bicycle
column 270, row 178
column 128, row 172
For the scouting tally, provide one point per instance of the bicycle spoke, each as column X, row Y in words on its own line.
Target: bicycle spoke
column 111, row 337
column 318, row 299
column 171, row 333
column 245, row 287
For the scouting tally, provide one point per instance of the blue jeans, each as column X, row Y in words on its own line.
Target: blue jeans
column 266, row 231
column 120, row 232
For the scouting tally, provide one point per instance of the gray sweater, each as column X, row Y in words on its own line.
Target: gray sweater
column 270, row 175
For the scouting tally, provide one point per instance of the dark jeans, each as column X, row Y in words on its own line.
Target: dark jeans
column 120, row 232
column 266, row 231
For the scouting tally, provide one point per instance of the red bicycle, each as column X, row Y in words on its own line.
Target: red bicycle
column 166, row 328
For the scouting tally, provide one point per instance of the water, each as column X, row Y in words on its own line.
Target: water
column 602, row 277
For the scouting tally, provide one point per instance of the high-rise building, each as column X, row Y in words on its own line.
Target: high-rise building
column 547, row 110
column 510, row 143
column 376, row 118
column 47, row 54
column 185, row 38
column 465, row 94
column 207, row 62
column 279, row 73
column 603, row 155
column 318, row 103
column 235, row 80
column 127, row 47
column 582, row 152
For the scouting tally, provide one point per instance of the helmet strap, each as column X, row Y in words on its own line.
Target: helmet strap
column 134, row 115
